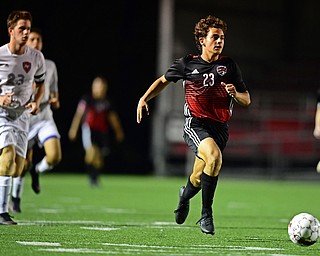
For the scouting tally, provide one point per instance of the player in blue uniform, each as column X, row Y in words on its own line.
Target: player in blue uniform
column 212, row 83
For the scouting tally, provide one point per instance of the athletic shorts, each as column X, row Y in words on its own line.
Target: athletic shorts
column 196, row 129
column 15, row 132
column 41, row 132
column 42, row 128
column 90, row 137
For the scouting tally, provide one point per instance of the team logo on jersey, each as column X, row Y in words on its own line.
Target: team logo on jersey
column 222, row 70
column 195, row 72
column 26, row 66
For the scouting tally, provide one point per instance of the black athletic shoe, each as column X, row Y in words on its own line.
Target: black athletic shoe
column 35, row 180
column 15, row 205
column 182, row 210
column 5, row 219
column 206, row 224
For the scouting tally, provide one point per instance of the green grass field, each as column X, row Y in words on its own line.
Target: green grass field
column 133, row 215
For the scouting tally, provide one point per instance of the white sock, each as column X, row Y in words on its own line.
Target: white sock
column 5, row 187
column 43, row 166
column 17, row 187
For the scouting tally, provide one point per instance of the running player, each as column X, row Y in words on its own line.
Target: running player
column 96, row 115
column 316, row 131
column 20, row 67
column 43, row 130
column 212, row 83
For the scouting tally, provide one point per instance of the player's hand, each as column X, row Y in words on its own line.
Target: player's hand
column 141, row 106
column 54, row 103
column 33, row 108
column 6, row 100
column 72, row 134
column 230, row 88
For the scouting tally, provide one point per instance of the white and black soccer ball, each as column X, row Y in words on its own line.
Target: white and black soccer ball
column 304, row 229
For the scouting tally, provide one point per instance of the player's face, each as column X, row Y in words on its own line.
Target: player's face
column 20, row 32
column 213, row 43
column 99, row 89
column 35, row 41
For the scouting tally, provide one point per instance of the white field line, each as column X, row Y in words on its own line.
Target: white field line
column 99, row 228
column 140, row 248
column 38, row 243
column 203, row 246
column 114, row 248
column 109, row 223
column 157, row 250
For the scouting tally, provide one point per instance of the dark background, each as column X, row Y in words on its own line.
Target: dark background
column 85, row 38
column 276, row 42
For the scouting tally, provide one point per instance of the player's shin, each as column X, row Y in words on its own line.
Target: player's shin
column 5, row 187
column 208, row 186
column 190, row 191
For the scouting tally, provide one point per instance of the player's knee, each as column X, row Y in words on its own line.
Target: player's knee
column 98, row 162
column 7, row 162
column 18, row 171
column 196, row 180
column 213, row 160
column 26, row 167
column 53, row 159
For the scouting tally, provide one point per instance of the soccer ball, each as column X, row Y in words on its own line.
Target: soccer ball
column 304, row 229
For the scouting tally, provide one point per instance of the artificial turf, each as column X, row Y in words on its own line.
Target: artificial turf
column 133, row 215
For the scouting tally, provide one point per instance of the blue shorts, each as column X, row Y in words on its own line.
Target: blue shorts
column 196, row 129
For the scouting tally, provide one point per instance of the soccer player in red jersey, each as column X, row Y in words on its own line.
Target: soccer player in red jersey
column 96, row 117
column 212, row 83
column 316, row 131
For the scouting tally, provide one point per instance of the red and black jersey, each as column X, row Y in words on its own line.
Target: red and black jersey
column 205, row 97
column 96, row 113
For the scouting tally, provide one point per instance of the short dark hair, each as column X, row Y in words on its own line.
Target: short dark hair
column 36, row 30
column 202, row 27
column 15, row 16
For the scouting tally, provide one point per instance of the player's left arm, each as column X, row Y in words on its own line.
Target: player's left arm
column 35, row 104
column 116, row 125
column 242, row 98
column 54, row 91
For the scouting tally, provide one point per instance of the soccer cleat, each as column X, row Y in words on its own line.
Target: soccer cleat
column 35, row 180
column 5, row 219
column 15, row 205
column 206, row 224
column 182, row 211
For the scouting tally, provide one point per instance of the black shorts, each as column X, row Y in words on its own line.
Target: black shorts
column 91, row 137
column 196, row 129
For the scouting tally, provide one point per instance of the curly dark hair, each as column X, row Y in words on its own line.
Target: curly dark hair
column 15, row 16
column 202, row 27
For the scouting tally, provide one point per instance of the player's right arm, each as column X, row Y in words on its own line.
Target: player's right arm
column 76, row 121
column 156, row 87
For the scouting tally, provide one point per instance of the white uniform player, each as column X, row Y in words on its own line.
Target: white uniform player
column 16, row 76
column 43, row 130
column 43, row 126
column 20, row 68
